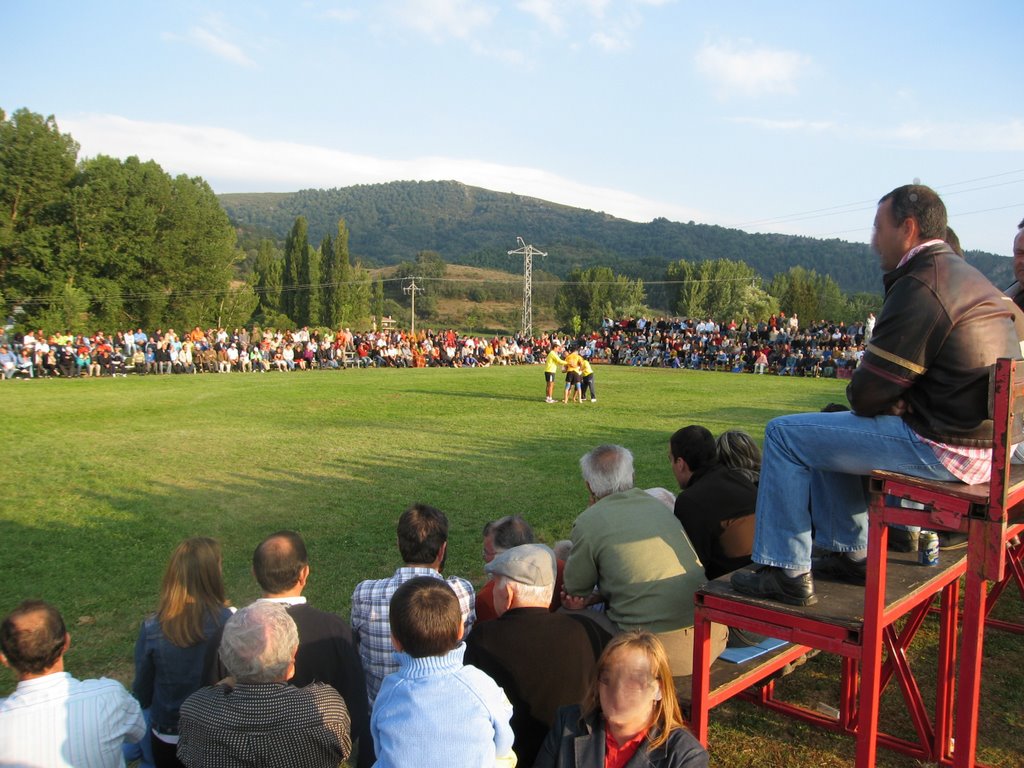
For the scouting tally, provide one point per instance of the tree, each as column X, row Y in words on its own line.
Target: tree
column 328, row 289
column 337, row 271
column 308, row 292
column 37, row 162
column 594, row 294
column 357, row 297
column 809, row 295
column 378, row 299
column 717, row 288
column 295, row 247
column 267, row 273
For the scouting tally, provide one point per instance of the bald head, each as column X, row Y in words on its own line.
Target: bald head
column 33, row 638
column 280, row 563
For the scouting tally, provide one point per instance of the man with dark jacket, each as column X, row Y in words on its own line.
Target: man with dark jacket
column 542, row 660
column 716, row 507
column 327, row 652
column 919, row 404
column 1016, row 291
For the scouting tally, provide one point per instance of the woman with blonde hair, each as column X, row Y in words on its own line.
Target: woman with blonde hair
column 629, row 717
column 170, row 652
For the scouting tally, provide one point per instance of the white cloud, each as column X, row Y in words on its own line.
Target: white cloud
column 218, row 46
column 546, row 12
column 750, row 70
column 958, row 137
column 609, row 43
column 212, row 36
column 1007, row 136
column 799, row 126
column 344, row 15
column 235, row 162
column 443, row 19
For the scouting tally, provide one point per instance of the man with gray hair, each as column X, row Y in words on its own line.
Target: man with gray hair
column 630, row 548
column 542, row 660
column 499, row 536
column 255, row 717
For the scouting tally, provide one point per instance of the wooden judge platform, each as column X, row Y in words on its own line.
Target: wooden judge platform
column 872, row 627
column 836, row 624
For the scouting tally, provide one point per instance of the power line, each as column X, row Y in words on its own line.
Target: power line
column 863, row 205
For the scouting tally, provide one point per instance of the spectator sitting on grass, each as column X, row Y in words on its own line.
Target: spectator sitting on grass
column 434, row 711
column 423, row 545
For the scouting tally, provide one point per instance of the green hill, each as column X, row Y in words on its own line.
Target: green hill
column 390, row 223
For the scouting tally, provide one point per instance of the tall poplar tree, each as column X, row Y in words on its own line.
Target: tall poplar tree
column 308, row 293
column 327, row 287
column 295, row 247
column 267, row 271
column 338, row 290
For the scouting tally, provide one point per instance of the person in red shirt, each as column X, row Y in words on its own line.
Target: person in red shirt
column 630, row 708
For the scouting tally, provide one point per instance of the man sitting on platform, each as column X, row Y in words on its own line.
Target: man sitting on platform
column 919, row 405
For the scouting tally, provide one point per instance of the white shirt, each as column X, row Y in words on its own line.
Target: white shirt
column 56, row 720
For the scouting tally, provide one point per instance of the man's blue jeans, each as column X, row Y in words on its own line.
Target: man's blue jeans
column 812, row 474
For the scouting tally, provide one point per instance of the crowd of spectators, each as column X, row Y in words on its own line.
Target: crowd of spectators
column 776, row 346
column 217, row 350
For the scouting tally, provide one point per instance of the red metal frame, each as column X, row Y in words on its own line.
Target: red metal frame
column 858, row 695
column 991, row 515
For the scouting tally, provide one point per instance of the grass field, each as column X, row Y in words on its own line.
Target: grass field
column 103, row 477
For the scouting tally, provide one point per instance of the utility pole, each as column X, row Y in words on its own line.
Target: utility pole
column 528, row 252
column 412, row 289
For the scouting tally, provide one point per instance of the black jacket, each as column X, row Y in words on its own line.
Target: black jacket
column 577, row 742
column 542, row 660
column 942, row 327
column 717, row 512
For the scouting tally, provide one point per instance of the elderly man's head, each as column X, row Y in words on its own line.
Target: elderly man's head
column 259, row 644
column 525, row 577
column 607, row 469
column 505, row 533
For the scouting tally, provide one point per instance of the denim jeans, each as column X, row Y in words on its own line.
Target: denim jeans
column 812, row 476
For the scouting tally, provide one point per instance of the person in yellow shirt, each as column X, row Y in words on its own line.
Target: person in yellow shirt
column 573, row 363
column 587, row 373
column 551, row 365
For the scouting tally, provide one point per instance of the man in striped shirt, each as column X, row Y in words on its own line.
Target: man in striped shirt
column 52, row 719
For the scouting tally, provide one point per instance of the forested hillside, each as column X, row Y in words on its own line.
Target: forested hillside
column 389, row 223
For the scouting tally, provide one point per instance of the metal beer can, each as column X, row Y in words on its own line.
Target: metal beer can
column 928, row 548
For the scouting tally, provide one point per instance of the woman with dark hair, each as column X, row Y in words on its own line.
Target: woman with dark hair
column 738, row 451
column 629, row 717
column 171, row 650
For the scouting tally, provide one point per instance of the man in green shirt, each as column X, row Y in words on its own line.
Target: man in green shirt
column 630, row 547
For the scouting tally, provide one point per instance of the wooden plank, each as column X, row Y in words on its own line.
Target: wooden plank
column 841, row 604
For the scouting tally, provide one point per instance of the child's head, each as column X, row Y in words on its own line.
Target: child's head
column 425, row 617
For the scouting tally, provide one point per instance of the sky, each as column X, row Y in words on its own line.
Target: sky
column 791, row 117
